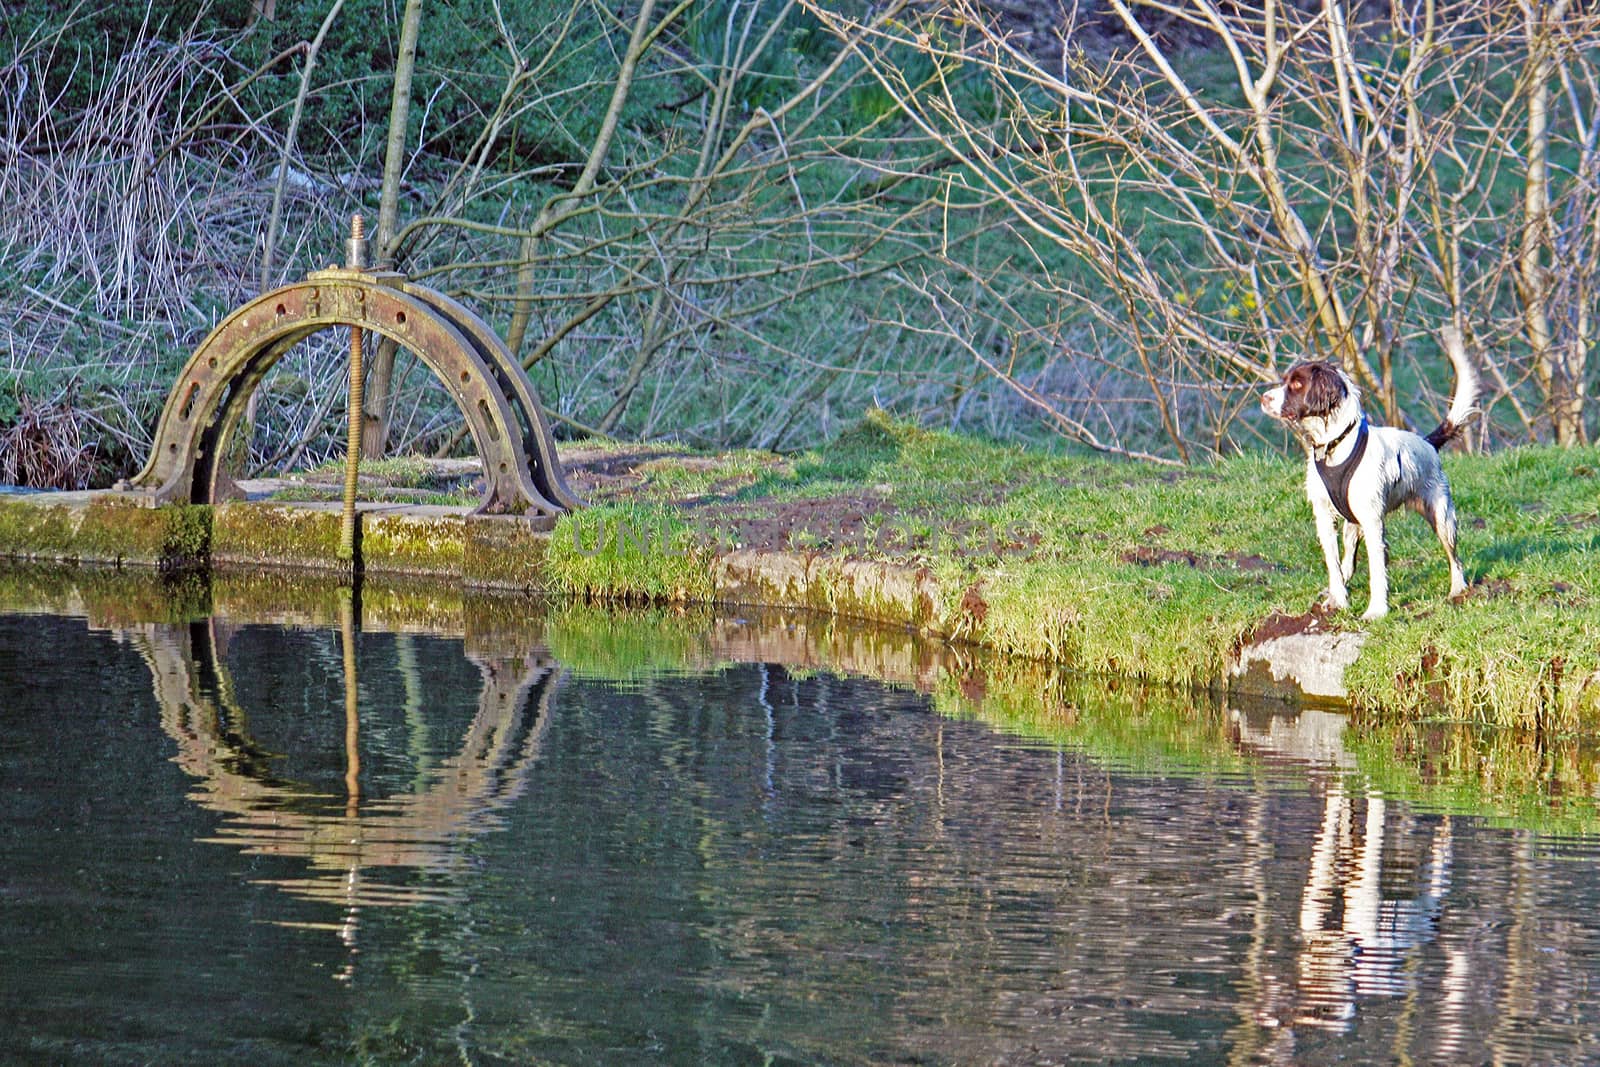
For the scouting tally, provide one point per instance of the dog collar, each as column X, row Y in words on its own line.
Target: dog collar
column 1336, row 476
column 1326, row 450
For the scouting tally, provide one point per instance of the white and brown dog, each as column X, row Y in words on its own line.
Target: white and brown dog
column 1363, row 472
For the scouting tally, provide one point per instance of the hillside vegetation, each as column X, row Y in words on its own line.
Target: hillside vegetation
column 745, row 224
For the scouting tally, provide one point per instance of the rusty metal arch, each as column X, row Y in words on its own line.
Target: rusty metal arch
column 521, row 471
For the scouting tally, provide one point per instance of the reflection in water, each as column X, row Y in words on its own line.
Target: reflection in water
column 1356, row 941
column 345, row 838
column 1358, row 930
column 751, row 863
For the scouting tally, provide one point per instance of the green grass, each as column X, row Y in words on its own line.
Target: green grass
column 411, row 472
column 1523, row 652
column 1155, row 573
column 629, row 552
column 721, row 474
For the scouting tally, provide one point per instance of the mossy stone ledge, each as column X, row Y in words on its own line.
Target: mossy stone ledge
column 302, row 536
column 423, row 540
column 449, row 545
column 104, row 527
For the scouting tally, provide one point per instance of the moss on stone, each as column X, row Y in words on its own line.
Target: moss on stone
column 276, row 535
column 35, row 527
column 885, row 592
column 104, row 528
column 118, row 529
column 188, row 541
column 420, row 540
column 504, row 552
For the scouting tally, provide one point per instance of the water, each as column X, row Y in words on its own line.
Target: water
column 213, row 849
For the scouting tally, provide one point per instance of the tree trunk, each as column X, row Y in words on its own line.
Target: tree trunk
column 375, row 412
column 1563, row 397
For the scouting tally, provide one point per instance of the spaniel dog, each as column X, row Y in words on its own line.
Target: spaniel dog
column 1363, row 472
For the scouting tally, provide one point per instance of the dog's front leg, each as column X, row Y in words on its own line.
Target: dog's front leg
column 1377, row 567
column 1352, row 538
column 1328, row 535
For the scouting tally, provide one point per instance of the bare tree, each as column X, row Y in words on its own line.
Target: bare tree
column 1344, row 189
column 679, row 257
column 721, row 259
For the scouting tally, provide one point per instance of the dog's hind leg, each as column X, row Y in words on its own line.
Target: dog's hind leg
column 1441, row 513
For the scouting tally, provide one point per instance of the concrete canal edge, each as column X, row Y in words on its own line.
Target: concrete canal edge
column 1293, row 661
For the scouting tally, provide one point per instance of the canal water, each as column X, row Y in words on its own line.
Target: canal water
column 225, row 841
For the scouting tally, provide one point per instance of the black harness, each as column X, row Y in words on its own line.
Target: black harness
column 1336, row 477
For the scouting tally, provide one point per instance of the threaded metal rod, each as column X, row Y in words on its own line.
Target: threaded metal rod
column 352, row 457
column 352, row 702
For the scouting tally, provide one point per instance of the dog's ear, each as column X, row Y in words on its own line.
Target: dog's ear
column 1312, row 389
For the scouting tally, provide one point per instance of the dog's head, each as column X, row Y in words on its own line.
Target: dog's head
column 1313, row 389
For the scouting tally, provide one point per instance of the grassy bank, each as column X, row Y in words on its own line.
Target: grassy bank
column 1129, row 569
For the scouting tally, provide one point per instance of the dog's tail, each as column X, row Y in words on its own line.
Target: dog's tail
column 1464, row 403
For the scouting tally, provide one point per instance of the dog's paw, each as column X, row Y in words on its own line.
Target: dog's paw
column 1335, row 601
column 1375, row 612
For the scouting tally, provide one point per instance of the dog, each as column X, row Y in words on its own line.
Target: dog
column 1362, row 472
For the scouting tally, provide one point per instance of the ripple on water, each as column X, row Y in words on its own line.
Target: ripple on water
column 223, row 852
